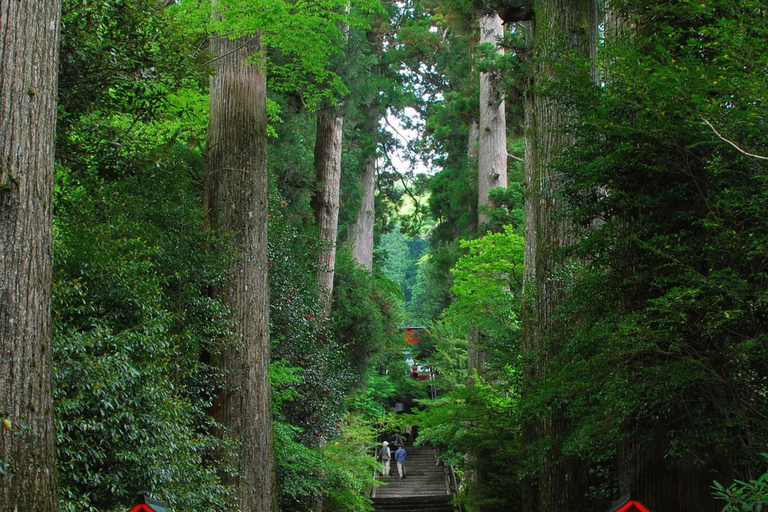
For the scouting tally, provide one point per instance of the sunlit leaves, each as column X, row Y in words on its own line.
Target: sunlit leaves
column 487, row 280
column 303, row 39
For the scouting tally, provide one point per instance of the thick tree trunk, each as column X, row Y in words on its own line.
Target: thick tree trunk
column 360, row 234
column 29, row 40
column 560, row 26
column 487, row 146
column 325, row 202
column 530, row 484
column 492, row 150
column 674, row 485
column 236, row 176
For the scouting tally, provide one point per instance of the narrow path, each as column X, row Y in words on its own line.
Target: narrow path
column 424, row 488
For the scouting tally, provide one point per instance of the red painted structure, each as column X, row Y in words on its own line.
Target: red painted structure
column 629, row 504
column 633, row 506
column 144, row 504
column 141, row 508
column 411, row 336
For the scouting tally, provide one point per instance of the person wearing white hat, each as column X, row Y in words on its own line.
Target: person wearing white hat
column 385, row 456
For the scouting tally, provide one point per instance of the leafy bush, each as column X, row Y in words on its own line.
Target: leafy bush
column 743, row 496
column 131, row 316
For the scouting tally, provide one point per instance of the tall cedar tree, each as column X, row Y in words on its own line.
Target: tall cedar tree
column 29, row 36
column 325, row 201
column 236, row 183
column 677, row 256
column 360, row 231
column 490, row 135
column 562, row 30
column 492, row 144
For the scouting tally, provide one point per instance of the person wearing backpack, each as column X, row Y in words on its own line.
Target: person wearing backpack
column 385, row 457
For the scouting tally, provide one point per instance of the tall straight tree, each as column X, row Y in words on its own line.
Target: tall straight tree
column 562, row 30
column 236, row 184
column 672, row 187
column 29, row 40
column 360, row 236
column 360, row 231
column 492, row 134
column 487, row 145
column 325, row 201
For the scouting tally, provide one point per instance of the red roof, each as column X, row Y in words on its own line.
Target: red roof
column 632, row 506
column 141, row 508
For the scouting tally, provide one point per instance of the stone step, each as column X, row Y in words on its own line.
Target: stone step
column 432, row 490
column 394, row 478
column 413, row 504
column 423, row 489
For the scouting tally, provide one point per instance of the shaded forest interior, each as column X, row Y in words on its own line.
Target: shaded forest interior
column 239, row 240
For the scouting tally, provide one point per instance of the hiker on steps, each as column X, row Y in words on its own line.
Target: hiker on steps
column 385, row 456
column 400, row 459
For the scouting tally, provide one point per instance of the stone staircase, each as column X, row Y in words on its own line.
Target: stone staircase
column 426, row 504
column 424, row 487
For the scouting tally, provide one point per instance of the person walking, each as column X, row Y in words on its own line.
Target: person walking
column 400, row 457
column 386, row 455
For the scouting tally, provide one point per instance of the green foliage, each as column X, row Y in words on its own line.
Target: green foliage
column 130, row 318
column 363, row 311
column 475, row 427
column 403, row 265
column 672, row 291
column 397, row 262
column 480, row 420
column 132, row 267
column 303, row 40
column 124, row 66
column 487, row 280
column 308, row 353
column 741, row 496
column 335, row 473
column 371, row 401
column 322, row 451
column 450, row 356
column 486, row 292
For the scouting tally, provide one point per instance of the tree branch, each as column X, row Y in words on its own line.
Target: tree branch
column 733, row 143
column 246, row 43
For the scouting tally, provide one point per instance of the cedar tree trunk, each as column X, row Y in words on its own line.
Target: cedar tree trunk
column 29, row 40
column 325, row 202
column 361, row 231
column 561, row 26
column 236, row 176
column 492, row 149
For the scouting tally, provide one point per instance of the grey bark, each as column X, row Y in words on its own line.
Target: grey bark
column 492, row 142
column 325, row 201
column 29, row 35
column 236, row 182
column 361, row 231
